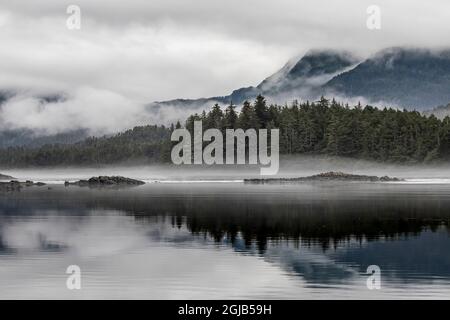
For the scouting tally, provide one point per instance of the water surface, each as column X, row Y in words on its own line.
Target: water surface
column 227, row 241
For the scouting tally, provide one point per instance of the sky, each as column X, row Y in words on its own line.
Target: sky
column 129, row 53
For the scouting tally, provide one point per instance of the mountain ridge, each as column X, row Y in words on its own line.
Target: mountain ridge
column 406, row 77
column 303, row 72
column 403, row 77
column 412, row 78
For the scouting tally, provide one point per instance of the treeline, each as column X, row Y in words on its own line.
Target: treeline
column 332, row 128
column 322, row 127
column 147, row 144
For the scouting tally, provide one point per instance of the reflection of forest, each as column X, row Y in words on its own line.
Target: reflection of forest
column 256, row 219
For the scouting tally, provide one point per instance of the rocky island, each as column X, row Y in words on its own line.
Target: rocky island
column 100, row 181
column 105, row 181
column 327, row 176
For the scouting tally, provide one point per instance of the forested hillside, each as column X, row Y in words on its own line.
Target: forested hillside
column 140, row 144
column 328, row 127
column 323, row 127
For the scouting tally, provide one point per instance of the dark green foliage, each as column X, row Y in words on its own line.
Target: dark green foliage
column 322, row 127
column 247, row 118
column 328, row 127
column 261, row 111
column 215, row 118
column 231, row 117
column 142, row 144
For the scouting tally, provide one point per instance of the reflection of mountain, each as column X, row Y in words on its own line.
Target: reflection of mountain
column 405, row 259
column 291, row 233
column 419, row 258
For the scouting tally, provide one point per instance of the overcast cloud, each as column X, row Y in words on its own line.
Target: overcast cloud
column 132, row 52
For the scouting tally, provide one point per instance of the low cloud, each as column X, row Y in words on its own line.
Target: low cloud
column 99, row 111
column 128, row 54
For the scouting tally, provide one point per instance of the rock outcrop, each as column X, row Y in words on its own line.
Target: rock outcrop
column 15, row 185
column 106, row 181
column 328, row 176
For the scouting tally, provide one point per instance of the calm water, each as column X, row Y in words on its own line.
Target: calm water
column 227, row 241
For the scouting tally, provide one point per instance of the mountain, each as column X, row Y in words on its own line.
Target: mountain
column 312, row 70
column 144, row 144
column 297, row 78
column 410, row 78
column 28, row 138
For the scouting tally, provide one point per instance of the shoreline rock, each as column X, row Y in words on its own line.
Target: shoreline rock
column 328, row 176
column 15, row 185
column 101, row 181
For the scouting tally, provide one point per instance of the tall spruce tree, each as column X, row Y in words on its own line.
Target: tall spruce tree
column 247, row 117
column 231, row 117
column 261, row 111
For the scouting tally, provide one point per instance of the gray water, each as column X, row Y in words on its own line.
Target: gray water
column 227, row 241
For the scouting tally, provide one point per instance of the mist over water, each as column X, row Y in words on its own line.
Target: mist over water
column 177, row 238
column 290, row 166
